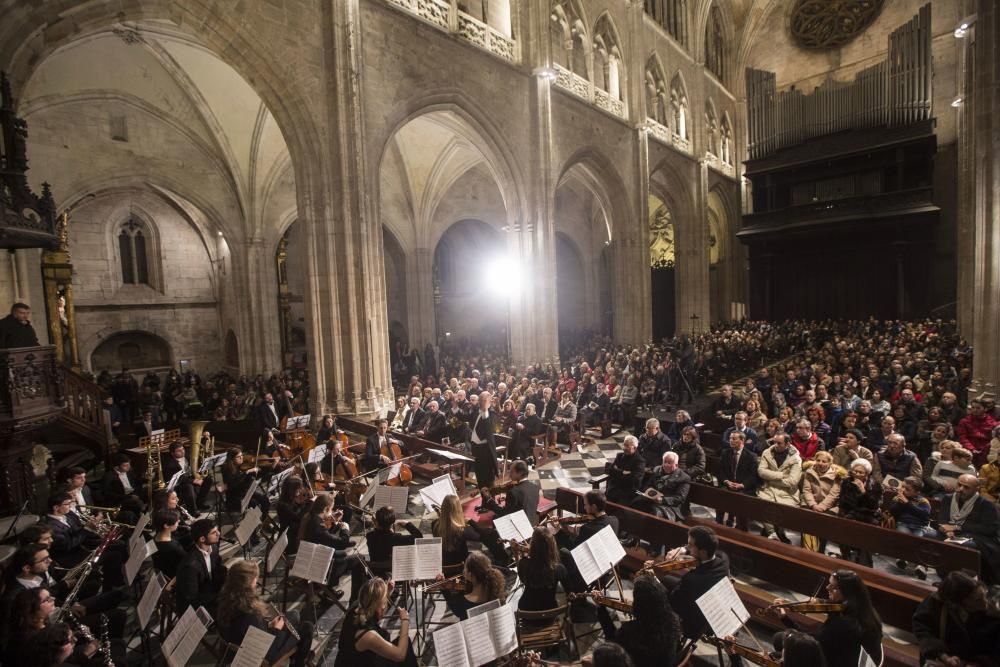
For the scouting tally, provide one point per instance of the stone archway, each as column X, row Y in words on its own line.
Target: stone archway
column 138, row 351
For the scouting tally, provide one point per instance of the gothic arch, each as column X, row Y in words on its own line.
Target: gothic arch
column 231, row 350
column 610, row 73
column 113, row 349
column 602, row 179
column 680, row 108
column 657, row 93
column 142, row 223
column 716, row 23
column 726, row 145
column 568, row 23
column 711, row 128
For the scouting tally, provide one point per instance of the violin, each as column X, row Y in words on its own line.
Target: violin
column 502, row 487
column 456, row 583
column 680, row 563
column 810, row 606
column 623, row 606
column 733, row 648
column 569, row 520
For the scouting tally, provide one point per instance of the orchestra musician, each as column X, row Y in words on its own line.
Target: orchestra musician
column 482, row 441
column 801, row 650
column 653, row 636
column 381, row 541
column 201, row 574
column 292, row 505
column 72, row 542
column 363, row 642
column 168, row 500
column 520, row 495
column 240, row 607
column 374, row 446
column 29, row 615
column 713, row 566
column 327, row 430
column 52, row 646
column 268, row 414
column 322, row 524
column 853, row 625
column 541, row 573
column 174, row 461
column 953, row 625
column 454, row 532
column 121, row 488
column 169, row 551
column 485, row 584
column 239, row 481
column 74, row 481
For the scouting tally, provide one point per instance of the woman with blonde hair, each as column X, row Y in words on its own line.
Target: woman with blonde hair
column 363, row 642
column 240, row 606
column 454, row 532
column 821, row 481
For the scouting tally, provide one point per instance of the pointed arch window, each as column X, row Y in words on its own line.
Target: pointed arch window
column 715, row 44
column 133, row 251
column 679, row 108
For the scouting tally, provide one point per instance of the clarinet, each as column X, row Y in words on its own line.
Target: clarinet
column 105, row 649
column 71, row 597
column 80, row 630
column 291, row 629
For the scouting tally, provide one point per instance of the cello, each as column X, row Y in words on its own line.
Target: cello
column 391, row 449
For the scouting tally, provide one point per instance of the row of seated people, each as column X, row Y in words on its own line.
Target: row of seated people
column 854, row 488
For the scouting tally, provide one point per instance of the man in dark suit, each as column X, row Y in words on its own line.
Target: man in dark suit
column 528, row 426
column 16, row 329
column 482, row 442
column 713, row 566
column 625, row 473
column 968, row 514
column 266, row 413
column 433, row 426
column 120, row 487
column 201, row 574
column 373, row 457
column 172, row 462
column 596, row 410
column 72, row 544
column 653, row 444
column 523, row 495
column 546, row 406
column 738, row 472
column 414, row 415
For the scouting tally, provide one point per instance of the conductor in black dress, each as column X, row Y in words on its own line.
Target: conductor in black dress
column 482, row 441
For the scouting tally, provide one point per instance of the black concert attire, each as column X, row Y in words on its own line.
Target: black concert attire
column 456, row 552
column 567, row 542
column 841, row 639
column 337, row 538
column 267, row 415
column 742, row 469
column 237, row 485
column 349, row 656
column 235, row 629
column 116, row 495
column 167, row 557
column 635, row 639
column 685, row 591
column 482, row 442
column 185, row 487
column 674, row 486
column 522, row 496
column 522, row 439
column 625, row 475
column 540, row 585
column 198, row 585
column 71, row 545
column 372, row 458
column 94, row 605
column 434, row 426
column 290, row 518
column 943, row 629
column 380, row 545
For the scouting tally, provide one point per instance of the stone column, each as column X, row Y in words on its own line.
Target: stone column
column 986, row 138
column 420, row 313
column 693, row 289
column 345, row 303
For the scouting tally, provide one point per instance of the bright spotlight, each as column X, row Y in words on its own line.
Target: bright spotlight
column 503, row 276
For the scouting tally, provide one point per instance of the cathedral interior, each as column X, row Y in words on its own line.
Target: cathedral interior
column 334, row 192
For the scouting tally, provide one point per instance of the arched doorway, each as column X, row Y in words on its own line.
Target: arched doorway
column 138, row 351
column 662, row 263
column 231, row 352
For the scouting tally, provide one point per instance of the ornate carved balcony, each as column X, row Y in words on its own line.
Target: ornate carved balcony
column 31, row 394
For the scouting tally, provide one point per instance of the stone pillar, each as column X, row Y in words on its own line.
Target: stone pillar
column 259, row 319
column 420, row 309
column 345, row 304
column 986, row 138
column 692, row 286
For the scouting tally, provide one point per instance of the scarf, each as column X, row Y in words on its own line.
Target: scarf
column 960, row 514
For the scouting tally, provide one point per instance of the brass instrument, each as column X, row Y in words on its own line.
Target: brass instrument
column 197, row 457
column 98, row 508
column 154, row 469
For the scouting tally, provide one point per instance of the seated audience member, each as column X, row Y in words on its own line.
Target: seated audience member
column 752, row 440
column 528, row 426
column 201, row 574
column 485, row 583
column 240, row 608
column 363, row 641
column 817, row 416
column 805, row 441
column 672, row 485
column 989, row 478
column 821, row 481
column 682, row 419
column 911, row 510
column 780, row 471
column 966, row 515
column 975, row 431
column 653, row 443
column 944, row 453
column 877, row 437
column 625, row 473
column 691, row 456
column 595, row 411
column 850, row 448
column 434, row 425
column 946, row 472
column 653, row 635
column 737, row 472
column 623, row 404
column 756, row 417
column 860, row 499
column 727, row 404
column 895, row 460
column 952, row 625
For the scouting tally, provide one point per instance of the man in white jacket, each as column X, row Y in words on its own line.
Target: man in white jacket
column 780, row 471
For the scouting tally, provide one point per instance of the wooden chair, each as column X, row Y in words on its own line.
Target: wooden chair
column 539, row 630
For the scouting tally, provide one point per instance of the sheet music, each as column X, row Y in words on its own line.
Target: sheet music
column 450, row 648
column 246, row 527
column 479, row 640
column 435, row 494
column 368, row 494
column 317, row 453
column 173, row 480
column 449, row 455
column 276, row 480
column 586, row 564
column 446, row 479
column 718, row 605
column 312, row 562
column 135, row 559
column 190, row 640
column 137, row 532
column 503, row 629
column 513, row 526
column 428, row 551
column 212, row 462
column 248, row 496
column 253, row 649
column 865, row 660
column 606, row 548
column 404, row 563
column 180, row 628
column 395, row 496
column 277, row 550
column 150, row 598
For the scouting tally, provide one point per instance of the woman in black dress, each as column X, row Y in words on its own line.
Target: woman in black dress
column 541, row 573
column 169, row 552
column 292, row 505
column 484, row 582
column 238, row 482
column 363, row 642
column 653, row 636
column 454, row 532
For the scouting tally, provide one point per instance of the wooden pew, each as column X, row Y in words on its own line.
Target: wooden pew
column 876, row 539
column 896, row 598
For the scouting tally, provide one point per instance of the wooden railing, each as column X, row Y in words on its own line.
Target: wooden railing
column 85, row 411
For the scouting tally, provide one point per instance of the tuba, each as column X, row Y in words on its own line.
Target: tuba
column 196, row 454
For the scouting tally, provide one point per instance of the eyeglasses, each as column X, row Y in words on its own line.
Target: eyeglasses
column 43, row 560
